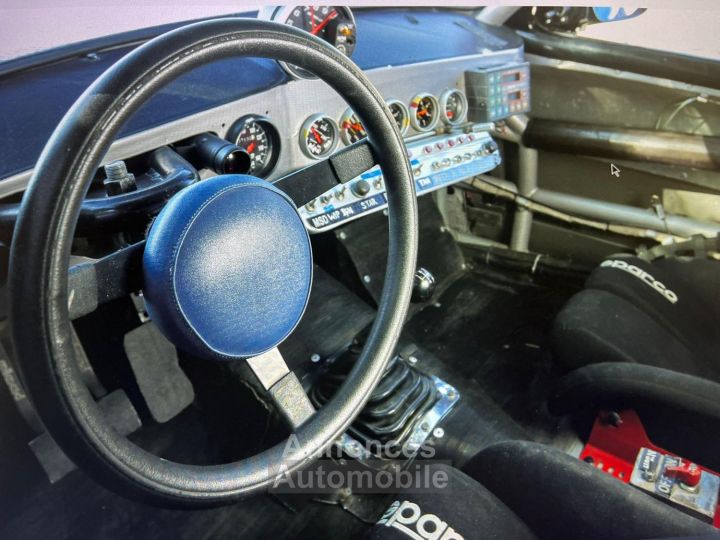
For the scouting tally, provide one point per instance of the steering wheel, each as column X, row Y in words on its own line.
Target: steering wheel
column 226, row 269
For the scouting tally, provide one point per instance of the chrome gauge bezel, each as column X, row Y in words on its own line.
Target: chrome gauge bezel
column 406, row 114
column 305, row 128
column 280, row 14
column 444, row 97
column 272, row 133
column 343, row 132
column 413, row 116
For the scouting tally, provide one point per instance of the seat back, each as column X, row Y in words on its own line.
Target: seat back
column 665, row 313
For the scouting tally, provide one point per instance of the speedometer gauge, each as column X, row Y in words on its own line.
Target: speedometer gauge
column 260, row 140
column 351, row 129
column 453, row 106
column 424, row 113
column 318, row 136
column 400, row 114
column 334, row 24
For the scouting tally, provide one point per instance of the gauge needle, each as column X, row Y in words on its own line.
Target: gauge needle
column 317, row 136
column 251, row 148
column 324, row 22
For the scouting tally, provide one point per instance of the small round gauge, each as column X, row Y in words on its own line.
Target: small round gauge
column 453, row 106
column 334, row 24
column 424, row 114
column 351, row 129
column 400, row 114
column 318, row 136
column 260, row 140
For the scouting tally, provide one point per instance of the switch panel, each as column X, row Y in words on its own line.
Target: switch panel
column 436, row 162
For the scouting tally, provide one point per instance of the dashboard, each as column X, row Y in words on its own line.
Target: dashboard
column 441, row 103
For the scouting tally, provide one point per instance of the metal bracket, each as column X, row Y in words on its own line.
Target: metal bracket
column 283, row 387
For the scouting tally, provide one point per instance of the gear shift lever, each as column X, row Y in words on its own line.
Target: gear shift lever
column 423, row 286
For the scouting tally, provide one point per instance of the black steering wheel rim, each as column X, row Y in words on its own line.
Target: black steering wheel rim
column 40, row 256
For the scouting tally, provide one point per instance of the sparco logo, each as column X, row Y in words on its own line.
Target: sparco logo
column 643, row 276
column 408, row 518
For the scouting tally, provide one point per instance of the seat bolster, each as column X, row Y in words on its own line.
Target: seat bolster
column 626, row 385
column 559, row 496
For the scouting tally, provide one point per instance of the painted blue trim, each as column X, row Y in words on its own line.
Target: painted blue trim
column 32, row 103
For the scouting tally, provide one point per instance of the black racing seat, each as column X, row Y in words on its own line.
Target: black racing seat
column 520, row 490
column 664, row 313
column 645, row 336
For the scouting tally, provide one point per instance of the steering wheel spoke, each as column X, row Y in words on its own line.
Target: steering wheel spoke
column 306, row 184
column 283, row 386
column 95, row 282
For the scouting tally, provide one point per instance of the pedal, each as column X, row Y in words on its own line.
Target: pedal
column 162, row 382
column 678, row 481
column 118, row 412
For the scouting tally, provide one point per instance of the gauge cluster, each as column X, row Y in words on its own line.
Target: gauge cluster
column 320, row 134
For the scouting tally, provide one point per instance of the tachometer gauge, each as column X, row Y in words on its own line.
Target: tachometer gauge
column 351, row 130
column 260, row 140
column 453, row 106
column 334, row 24
column 318, row 136
column 400, row 114
column 424, row 112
